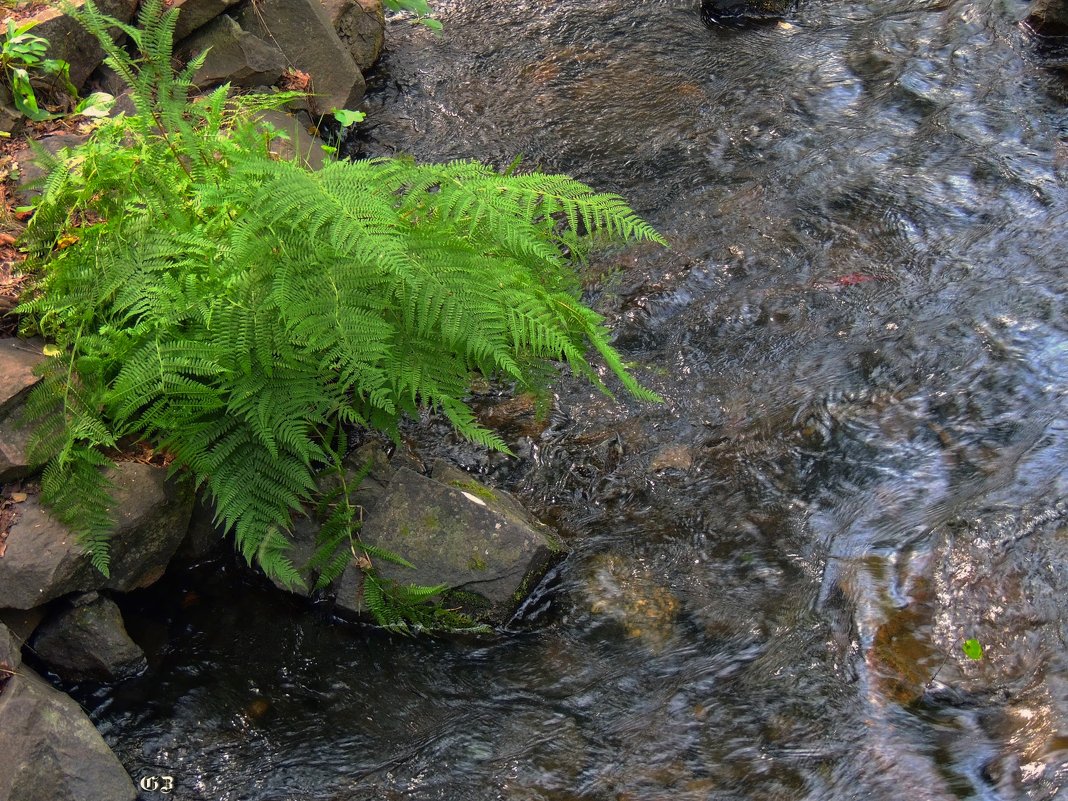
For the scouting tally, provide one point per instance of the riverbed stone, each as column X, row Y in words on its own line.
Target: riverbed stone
column 233, row 56
column 480, row 543
column 10, row 653
column 31, row 172
column 302, row 30
column 672, row 457
column 1046, row 21
column 514, row 416
column 22, row 623
column 14, row 450
column 626, row 592
column 1047, row 17
column 43, row 560
column 361, row 26
column 743, row 13
column 87, row 640
column 69, row 41
column 51, row 751
column 10, row 118
column 18, row 358
column 204, row 535
column 193, row 14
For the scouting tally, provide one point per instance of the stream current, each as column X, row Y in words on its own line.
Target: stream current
column 860, row 334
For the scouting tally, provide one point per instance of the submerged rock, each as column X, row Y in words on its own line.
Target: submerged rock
column 51, row 751
column 626, row 592
column 743, row 13
column 88, row 641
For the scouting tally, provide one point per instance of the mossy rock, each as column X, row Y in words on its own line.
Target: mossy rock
column 478, row 542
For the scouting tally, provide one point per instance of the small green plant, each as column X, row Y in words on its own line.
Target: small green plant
column 21, row 53
column 345, row 117
column 243, row 312
column 973, row 649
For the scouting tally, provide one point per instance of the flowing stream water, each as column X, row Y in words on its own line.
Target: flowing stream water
column 860, row 334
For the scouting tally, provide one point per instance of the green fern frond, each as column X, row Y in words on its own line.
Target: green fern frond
column 77, row 490
column 238, row 310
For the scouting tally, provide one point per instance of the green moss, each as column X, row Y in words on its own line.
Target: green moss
column 524, row 589
column 476, row 489
column 476, row 562
column 466, row 604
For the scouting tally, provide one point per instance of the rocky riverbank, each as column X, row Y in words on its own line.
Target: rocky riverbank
column 55, row 606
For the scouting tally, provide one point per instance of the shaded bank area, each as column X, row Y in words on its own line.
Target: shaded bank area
column 860, row 335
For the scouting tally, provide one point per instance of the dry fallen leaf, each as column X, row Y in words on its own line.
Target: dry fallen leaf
column 18, row 497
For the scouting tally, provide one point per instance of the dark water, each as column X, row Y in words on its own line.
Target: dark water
column 860, row 331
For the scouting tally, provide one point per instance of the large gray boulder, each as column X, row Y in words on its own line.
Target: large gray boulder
column 480, row 543
column 361, row 25
column 43, row 560
column 18, row 358
column 50, row 749
column 302, row 30
column 305, row 532
column 69, row 41
column 88, row 641
column 233, row 56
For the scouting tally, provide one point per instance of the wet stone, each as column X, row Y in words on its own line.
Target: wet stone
column 361, row 26
column 195, row 13
column 69, row 40
column 1046, row 23
column 672, row 457
column 743, row 13
column 627, row 594
column 480, row 543
column 88, row 641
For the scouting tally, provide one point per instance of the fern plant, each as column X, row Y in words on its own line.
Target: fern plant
column 240, row 311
